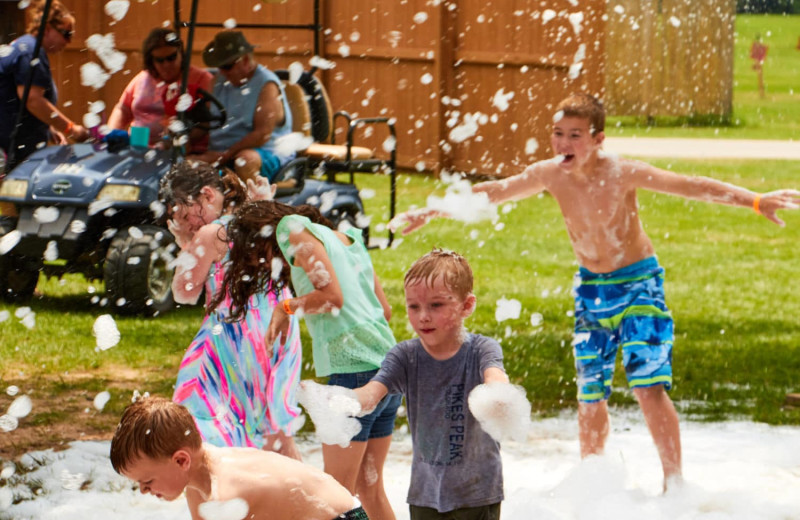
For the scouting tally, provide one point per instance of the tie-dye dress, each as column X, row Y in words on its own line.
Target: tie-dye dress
column 237, row 394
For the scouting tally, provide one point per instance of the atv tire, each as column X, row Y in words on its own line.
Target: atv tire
column 18, row 278
column 137, row 273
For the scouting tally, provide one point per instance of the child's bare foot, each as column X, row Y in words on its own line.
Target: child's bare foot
column 673, row 483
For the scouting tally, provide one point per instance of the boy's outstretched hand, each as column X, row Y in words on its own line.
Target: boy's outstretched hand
column 415, row 218
column 502, row 410
column 332, row 410
column 260, row 189
column 770, row 203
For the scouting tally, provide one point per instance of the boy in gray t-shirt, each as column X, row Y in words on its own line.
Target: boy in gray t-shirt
column 456, row 471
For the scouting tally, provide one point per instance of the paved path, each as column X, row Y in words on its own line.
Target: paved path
column 703, row 148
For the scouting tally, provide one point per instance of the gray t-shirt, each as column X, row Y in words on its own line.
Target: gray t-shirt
column 455, row 463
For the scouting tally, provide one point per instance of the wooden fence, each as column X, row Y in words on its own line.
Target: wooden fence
column 472, row 83
column 669, row 57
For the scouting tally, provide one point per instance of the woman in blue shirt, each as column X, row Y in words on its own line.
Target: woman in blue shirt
column 41, row 119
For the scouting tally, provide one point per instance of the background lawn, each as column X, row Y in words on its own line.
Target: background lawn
column 731, row 284
column 777, row 116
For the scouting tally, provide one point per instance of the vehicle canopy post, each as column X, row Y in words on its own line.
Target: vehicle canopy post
column 12, row 144
column 187, row 58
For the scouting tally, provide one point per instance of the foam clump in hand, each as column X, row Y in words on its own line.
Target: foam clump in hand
column 332, row 410
column 502, row 410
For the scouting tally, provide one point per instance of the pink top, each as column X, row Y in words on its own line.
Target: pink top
column 144, row 99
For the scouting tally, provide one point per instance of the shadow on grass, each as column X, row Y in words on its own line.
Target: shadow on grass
column 81, row 304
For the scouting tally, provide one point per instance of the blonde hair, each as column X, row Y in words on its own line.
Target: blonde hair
column 451, row 266
column 57, row 16
column 155, row 428
column 584, row 106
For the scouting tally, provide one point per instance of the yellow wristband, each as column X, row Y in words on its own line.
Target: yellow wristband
column 756, row 202
column 286, row 307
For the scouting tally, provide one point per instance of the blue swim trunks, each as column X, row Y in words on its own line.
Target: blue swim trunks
column 270, row 164
column 625, row 307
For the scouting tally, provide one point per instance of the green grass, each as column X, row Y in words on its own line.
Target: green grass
column 777, row 116
column 731, row 284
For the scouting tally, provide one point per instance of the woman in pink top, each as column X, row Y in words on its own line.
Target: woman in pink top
column 151, row 97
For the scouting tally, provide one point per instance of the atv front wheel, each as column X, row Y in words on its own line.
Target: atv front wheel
column 136, row 271
column 18, row 277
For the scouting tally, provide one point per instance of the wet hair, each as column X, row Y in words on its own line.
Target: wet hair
column 57, row 16
column 155, row 428
column 159, row 37
column 451, row 266
column 183, row 182
column 254, row 247
column 584, row 106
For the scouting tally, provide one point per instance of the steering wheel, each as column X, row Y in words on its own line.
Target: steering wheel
column 201, row 114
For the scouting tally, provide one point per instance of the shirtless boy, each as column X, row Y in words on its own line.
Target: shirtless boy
column 619, row 293
column 157, row 445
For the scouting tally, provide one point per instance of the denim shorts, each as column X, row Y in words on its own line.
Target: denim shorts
column 379, row 423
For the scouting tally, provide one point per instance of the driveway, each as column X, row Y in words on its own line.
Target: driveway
column 703, row 148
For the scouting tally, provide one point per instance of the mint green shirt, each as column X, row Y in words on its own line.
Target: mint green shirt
column 357, row 338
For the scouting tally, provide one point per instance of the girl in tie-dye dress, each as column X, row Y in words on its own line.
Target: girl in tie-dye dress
column 238, row 394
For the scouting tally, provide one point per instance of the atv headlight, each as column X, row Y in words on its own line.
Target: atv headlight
column 14, row 188
column 119, row 192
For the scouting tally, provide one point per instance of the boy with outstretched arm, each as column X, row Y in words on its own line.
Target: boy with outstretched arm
column 620, row 299
column 157, row 445
column 456, row 471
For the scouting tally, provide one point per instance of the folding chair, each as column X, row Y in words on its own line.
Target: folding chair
column 313, row 116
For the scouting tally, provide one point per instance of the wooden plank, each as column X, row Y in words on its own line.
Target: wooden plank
column 470, row 48
column 677, row 61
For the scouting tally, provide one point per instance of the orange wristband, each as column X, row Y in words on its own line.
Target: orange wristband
column 286, row 307
column 756, row 202
column 68, row 129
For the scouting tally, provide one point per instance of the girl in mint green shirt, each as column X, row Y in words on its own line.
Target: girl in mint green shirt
column 346, row 311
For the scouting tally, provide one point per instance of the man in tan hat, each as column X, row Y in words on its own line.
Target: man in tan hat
column 258, row 113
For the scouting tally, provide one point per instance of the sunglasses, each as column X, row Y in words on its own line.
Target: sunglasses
column 229, row 66
column 172, row 57
column 66, row 33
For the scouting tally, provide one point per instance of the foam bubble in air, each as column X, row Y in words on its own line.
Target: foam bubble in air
column 106, row 332
column 507, row 309
column 321, row 63
column 100, row 400
column 21, row 407
column 93, row 75
column 9, row 241
column 103, row 46
column 501, row 99
column 293, row 142
column 46, row 214
column 460, row 203
column 51, row 251
column 117, row 9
